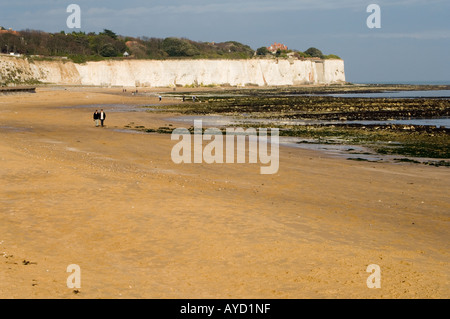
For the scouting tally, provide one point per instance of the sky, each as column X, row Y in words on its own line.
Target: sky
column 412, row 45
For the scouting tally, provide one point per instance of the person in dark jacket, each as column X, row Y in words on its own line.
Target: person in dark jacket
column 96, row 118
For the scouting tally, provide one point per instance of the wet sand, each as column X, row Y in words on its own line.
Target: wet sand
column 140, row 226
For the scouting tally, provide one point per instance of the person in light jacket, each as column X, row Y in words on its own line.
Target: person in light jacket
column 102, row 117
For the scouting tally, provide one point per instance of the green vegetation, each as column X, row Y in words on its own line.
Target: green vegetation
column 262, row 51
column 81, row 47
column 315, row 53
column 179, row 47
column 331, row 56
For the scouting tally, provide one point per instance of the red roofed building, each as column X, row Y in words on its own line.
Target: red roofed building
column 277, row 46
column 9, row 31
column 131, row 44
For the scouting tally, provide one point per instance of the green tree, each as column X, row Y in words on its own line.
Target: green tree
column 179, row 47
column 262, row 51
column 109, row 33
column 108, row 50
column 315, row 53
column 98, row 43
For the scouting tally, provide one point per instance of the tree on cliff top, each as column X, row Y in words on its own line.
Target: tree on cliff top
column 315, row 53
column 262, row 51
column 109, row 33
column 176, row 47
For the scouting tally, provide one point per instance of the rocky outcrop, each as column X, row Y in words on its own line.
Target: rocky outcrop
column 165, row 73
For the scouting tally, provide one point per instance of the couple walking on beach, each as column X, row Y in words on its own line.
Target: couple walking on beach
column 99, row 117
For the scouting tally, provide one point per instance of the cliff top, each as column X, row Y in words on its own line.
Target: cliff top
column 82, row 47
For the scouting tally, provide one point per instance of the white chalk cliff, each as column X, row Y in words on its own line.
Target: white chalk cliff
column 166, row 73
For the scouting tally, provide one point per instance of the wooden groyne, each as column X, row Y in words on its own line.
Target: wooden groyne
column 17, row 89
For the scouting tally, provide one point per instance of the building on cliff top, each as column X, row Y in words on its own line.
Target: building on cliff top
column 11, row 31
column 277, row 46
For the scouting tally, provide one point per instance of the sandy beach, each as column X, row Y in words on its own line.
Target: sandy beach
column 140, row 226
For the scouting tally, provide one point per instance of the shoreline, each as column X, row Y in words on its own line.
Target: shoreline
column 365, row 87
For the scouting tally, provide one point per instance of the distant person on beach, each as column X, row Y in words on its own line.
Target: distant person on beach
column 193, row 99
column 160, row 98
column 184, row 98
column 102, row 116
column 96, row 118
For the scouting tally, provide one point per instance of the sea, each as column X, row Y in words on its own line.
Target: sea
column 446, row 82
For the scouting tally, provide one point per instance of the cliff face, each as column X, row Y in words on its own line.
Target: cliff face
column 153, row 73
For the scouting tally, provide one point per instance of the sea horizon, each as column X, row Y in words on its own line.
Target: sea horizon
column 446, row 82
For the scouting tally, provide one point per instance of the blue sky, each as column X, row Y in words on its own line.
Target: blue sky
column 413, row 43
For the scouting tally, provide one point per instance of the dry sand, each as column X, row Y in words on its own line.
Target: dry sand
column 140, row 226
